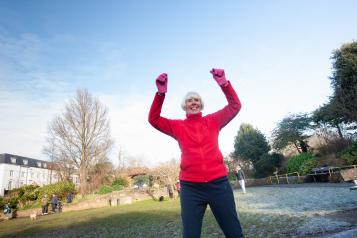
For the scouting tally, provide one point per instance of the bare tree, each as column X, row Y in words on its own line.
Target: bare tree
column 60, row 164
column 168, row 171
column 50, row 150
column 101, row 174
column 80, row 136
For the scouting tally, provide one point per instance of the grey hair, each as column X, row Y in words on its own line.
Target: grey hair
column 191, row 95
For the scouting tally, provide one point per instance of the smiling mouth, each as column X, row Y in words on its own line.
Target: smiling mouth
column 194, row 108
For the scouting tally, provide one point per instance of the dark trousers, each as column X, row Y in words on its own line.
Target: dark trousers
column 54, row 206
column 218, row 195
column 44, row 209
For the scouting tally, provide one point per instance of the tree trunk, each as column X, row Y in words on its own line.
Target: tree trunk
column 339, row 131
column 297, row 147
column 83, row 179
column 304, row 146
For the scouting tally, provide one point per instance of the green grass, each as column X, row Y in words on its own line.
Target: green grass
column 141, row 219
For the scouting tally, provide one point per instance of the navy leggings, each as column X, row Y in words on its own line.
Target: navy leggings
column 218, row 195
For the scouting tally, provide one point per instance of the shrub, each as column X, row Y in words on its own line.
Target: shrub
column 349, row 155
column 12, row 200
column 295, row 162
column 267, row 164
column 106, row 189
column 60, row 189
column 29, row 192
column 117, row 187
column 308, row 165
column 121, row 181
column 27, row 195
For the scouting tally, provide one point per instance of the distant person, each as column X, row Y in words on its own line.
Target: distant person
column 7, row 210
column 203, row 174
column 59, row 206
column 44, row 204
column 54, row 202
column 178, row 187
column 69, row 197
column 240, row 177
column 170, row 190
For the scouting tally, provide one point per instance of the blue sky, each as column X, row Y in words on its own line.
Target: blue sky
column 275, row 53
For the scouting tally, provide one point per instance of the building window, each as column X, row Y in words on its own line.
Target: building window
column 44, row 165
column 25, row 161
column 11, row 173
column 38, row 175
column 39, row 164
column 9, row 186
column 23, row 174
column 13, row 160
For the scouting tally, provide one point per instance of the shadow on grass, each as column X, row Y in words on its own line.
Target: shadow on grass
column 144, row 219
column 133, row 224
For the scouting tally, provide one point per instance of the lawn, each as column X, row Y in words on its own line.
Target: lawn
column 264, row 212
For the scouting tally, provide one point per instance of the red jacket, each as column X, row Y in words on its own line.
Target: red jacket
column 201, row 159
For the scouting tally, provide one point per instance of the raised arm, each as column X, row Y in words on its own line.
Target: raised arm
column 155, row 119
column 161, row 83
column 225, row 115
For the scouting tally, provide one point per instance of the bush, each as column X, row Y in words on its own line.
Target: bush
column 29, row 192
column 267, row 165
column 307, row 166
column 12, row 200
column 60, row 189
column 117, row 187
column 106, row 189
column 121, row 181
column 295, row 162
column 27, row 195
column 349, row 155
column 21, row 196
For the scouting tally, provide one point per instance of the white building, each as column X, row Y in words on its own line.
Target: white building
column 17, row 171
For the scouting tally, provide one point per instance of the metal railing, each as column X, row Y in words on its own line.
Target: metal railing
column 283, row 176
column 331, row 171
column 338, row 169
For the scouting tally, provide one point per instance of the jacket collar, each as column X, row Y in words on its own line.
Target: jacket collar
column 194, row 116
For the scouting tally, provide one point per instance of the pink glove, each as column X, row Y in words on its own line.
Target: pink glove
column 218, row 75
column 161, row 83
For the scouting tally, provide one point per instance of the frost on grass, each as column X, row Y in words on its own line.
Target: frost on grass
column 293, row 210
column 320, row 226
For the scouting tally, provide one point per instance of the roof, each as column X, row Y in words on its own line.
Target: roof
column 20, row 160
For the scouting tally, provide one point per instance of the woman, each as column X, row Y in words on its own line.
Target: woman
column 44, row 203
column 203, row 175
column 240, row 177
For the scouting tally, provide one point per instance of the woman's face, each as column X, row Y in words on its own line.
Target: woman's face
column 193, row 105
